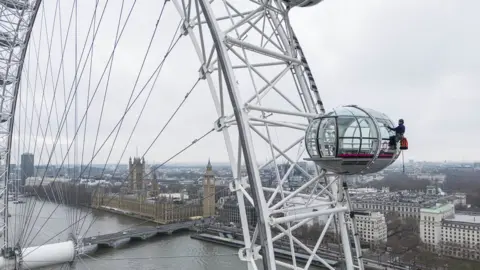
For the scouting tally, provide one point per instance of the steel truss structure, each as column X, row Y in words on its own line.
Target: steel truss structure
column 246, row 51
column 242, row 43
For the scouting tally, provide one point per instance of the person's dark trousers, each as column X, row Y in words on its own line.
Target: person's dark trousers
column 393, row 142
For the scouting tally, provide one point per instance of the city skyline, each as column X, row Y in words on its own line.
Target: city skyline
column 227, row 163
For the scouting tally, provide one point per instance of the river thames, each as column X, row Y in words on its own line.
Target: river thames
column 177, row 251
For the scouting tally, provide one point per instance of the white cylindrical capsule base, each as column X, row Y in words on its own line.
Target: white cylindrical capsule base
column 43, row 256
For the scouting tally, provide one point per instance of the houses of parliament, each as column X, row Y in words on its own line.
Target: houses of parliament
column 142, row 198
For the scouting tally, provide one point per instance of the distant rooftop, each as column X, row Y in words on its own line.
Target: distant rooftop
column 405, row 197
column 437, row 209
column 464, row 218
column 396, row 197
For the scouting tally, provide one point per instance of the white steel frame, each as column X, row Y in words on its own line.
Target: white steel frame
column 229, row 43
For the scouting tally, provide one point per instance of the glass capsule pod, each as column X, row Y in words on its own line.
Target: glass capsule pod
column 351, row 140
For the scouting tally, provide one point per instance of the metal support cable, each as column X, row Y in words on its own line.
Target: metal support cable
column 138, row 78
column 58, row 75
column 89, row 212
column 55, row 89
column 131, row 105
column 104, row 98
column 156, row 138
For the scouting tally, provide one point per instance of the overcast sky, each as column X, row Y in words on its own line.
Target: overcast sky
column 416, row 60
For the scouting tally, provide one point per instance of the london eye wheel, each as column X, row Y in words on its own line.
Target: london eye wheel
column 93, row 82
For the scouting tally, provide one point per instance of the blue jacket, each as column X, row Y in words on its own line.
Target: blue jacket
column 400, row 129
